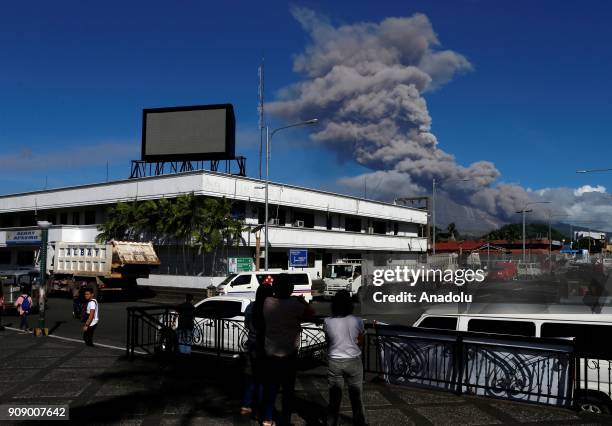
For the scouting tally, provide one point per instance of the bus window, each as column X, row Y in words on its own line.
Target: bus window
column 517, row 328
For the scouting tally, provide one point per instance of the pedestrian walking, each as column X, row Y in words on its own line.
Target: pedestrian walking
column 344, row 333
column 186, row 314
column 91, row 317
column 24, row 305
column 255, row 354
column 1, row 306
column 283, row 315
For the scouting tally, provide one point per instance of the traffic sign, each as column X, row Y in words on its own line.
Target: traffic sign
column 240, row 264
column 298, row 258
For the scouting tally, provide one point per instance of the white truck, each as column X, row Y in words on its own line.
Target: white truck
column 344, row 274
column 104, row 267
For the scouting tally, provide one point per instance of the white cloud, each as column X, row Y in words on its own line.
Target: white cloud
column 588, row 188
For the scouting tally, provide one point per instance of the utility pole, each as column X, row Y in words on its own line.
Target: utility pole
column 433, row 216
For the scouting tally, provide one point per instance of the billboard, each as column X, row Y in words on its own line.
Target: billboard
column 204, row 132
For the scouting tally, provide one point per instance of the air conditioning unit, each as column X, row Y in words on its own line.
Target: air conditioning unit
column 298, row 223
column 370, row 230
column 274, row 221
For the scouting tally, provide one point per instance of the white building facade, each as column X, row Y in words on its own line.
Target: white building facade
column 329, row 226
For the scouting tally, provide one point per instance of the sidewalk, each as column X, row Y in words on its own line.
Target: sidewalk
column 104, row 388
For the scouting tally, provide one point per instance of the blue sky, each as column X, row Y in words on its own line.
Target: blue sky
column 75, row 77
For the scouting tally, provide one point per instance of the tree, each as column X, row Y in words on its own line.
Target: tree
column 205, row 223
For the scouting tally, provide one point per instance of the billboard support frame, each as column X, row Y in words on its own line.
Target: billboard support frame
column 142, row 168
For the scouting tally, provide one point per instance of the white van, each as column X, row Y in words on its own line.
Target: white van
column 246, row 283
column 593, row 334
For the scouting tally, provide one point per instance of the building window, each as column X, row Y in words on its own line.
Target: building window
column 352, row 224
column 25, row 258
column 76, row 218
column 329, row 222
column 51, row 218
column 306, row 217
column 90, row 217
column 395, row 228
column 63, row 219
column 379, row 227
column 238, row 210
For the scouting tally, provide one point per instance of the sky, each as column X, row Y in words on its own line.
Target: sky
column 523, row 86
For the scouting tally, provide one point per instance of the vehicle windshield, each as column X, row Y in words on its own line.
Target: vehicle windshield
column 228, row 279
column 338, row 271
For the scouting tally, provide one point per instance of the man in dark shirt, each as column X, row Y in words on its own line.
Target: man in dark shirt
column 184, row 329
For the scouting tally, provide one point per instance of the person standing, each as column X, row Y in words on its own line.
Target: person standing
column 184, row 330
column 283, row 315
column 255, row 353
column 92, row 316
column 24, row 305
column 344, row 333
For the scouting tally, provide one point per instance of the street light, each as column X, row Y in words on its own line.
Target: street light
column 269, row 136
column 433, row 209
column 523, row 211
column 593, row 170
column 42, row 286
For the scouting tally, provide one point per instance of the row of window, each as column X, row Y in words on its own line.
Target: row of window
column 63, row 218
column 278, row 216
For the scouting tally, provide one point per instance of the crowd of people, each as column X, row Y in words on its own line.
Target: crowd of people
column 273, row 322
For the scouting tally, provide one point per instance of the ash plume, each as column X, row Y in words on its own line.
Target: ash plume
column 366, row 82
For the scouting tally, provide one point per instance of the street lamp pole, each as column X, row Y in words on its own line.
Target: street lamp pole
column 269, row 136
column 42, row 286
column 523, row 211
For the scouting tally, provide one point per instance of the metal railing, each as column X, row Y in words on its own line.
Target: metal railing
column 154, row 330
column 537, row 370
column 500, row 366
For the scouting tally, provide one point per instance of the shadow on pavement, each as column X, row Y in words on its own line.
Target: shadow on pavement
column 187, row 388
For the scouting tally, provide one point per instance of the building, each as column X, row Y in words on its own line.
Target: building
column 330, row 226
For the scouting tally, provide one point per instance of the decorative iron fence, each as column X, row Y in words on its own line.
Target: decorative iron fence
column 537, row 370
column 154, row 330
column 508, row 367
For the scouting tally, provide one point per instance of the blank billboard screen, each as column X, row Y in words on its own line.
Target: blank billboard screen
column 188, row 133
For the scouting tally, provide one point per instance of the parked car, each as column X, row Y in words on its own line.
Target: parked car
column 246, row 283
column 219, row 326
column 592, row 333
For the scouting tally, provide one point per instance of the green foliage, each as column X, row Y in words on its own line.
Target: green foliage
column 205, row 223
column 514, row 232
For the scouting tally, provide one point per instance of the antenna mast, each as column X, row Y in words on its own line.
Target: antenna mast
column 260, row 109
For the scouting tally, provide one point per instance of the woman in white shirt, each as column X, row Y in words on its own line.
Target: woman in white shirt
column 344, row 333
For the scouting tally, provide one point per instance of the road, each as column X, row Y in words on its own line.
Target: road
column 113, row 317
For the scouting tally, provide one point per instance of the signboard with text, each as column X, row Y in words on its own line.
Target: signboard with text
column 240, row 264
column 31, row 237
column 298, row 258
